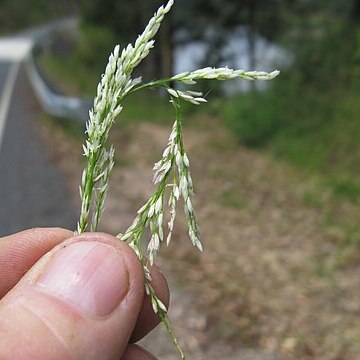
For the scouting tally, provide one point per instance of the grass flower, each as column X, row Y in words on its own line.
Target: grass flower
column 172, row 171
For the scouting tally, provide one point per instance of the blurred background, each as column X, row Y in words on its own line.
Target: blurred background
column 276, row 165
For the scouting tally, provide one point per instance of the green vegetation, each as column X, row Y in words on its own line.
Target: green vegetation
column 148, row 106
column 75, row 61
column 315, row 130
column 73, row 77
column 69, row 127
column 309, row 116
column 18, row 15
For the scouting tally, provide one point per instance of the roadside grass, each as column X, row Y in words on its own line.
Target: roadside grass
column 316, row 130
column 68, row 75
column 148, row 105
column 68, row 126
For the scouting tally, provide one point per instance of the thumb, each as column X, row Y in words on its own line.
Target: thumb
column 79, row 301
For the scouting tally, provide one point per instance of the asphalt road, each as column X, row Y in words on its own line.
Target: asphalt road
column 33, row 190
column 4, row 69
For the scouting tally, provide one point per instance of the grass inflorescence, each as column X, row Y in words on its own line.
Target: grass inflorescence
column 171, row 172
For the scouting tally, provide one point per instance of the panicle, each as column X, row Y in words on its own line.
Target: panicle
column 223, row 73
column 114, row 85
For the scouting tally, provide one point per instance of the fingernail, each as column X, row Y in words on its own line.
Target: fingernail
column 89, row 275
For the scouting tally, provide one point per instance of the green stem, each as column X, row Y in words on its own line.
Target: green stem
column 158, row 83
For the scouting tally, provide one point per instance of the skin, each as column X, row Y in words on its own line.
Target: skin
column 36, row 324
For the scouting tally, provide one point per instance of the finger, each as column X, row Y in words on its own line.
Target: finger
column 135, row 352
column 79, row 301
column 19, row 252
column 147, row 319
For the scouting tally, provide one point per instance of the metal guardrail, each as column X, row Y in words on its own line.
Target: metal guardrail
column 51, row 102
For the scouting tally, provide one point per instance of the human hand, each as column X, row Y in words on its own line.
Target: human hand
column 73, row 297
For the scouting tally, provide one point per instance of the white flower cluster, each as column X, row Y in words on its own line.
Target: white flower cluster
column 156, row 303
column 208, row 73
column 99, row 159
column 133, row 55
column 193, row 97
column 102, row 185
column 152, row 213
column 182, row 183
column 161, row 310
column 223, row 73
column 172, row 171
column 115, row 84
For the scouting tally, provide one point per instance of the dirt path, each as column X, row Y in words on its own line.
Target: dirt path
column 278, row 272
column 190, row 324
column 130, row 186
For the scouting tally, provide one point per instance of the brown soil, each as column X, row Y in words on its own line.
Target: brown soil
column 274, row 274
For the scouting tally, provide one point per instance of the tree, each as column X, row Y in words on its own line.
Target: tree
column 36, row 12
column 322, row 36
column 216, row 19
column 126, row 19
